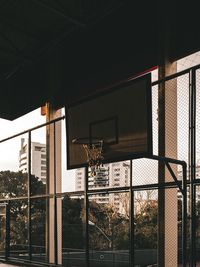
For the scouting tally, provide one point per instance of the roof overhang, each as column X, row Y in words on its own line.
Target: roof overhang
column 60, row 51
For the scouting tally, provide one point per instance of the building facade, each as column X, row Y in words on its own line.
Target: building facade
column 38, row 159
column 110, row 175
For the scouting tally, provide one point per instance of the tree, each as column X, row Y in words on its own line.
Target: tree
column 13, row 185
column 72, row 225
column 110, row 229
column 146, row 226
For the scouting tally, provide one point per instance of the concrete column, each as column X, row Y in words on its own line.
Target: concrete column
column 168, row 245
column 54, row 231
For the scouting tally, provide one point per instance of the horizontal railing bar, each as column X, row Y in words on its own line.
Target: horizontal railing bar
column 32, row 129
column 104, row 190
column 175, row 75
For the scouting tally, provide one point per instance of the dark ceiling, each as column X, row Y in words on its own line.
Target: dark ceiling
column 62, row 50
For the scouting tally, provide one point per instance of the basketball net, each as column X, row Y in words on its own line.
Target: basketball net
column 94, row 156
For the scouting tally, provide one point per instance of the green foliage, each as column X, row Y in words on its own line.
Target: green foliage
column 146, row 227
column 14, row 184
column 110, row 229
column 72, row 226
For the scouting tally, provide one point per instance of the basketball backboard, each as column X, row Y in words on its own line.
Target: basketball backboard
column 120, row 116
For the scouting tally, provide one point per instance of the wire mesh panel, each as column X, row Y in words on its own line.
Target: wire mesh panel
column 109, row 231
column 188, row 62
column 197, row 123
column 145, row 227
column 197, row 222
column 73, row 236
column 174, row 119
column 173, row 249
column 190, row 218
column 145, row 172
column 155, row 118
column 183, row 100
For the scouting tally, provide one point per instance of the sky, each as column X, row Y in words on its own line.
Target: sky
column 9, row 156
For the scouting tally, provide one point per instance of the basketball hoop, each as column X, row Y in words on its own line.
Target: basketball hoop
column 94, row 152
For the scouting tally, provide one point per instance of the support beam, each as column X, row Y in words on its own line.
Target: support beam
column 167, row 240
column 54, row 219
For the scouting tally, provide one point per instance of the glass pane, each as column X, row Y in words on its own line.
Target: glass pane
column 68, row 176
column 2, row 229
column 38, row 161
column 38, row 229
column 13, row 168
column 109, row 230
column 19, row 229
column 73, row 237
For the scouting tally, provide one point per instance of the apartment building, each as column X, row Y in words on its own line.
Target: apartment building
column 38, row 159
column 110, row 175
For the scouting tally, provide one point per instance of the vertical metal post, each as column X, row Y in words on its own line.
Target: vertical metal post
column 47, row 183
column 192, row 158
column 55, row 198
column 7, row 248
column 161, row 173
column 184, row 216
column 29, row 195
column 131, row 216
column 86, row 206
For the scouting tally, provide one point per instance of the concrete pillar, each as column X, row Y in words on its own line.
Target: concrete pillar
column 54, row 231
column 168, row 234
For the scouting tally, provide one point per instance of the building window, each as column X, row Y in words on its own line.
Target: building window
column 43, row 173
column 37, row 148
column 23, row 164
column 43, row 162
column 43, row 156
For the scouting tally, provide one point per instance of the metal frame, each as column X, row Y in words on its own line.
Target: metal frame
column 181, row 185
column 192, row 162
column 29, row 197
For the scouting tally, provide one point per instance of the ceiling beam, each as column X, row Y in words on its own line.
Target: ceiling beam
column 60, row 13
column 14, row 47
column 15, row 26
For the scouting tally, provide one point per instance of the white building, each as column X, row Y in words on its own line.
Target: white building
column 110, row 175
column 38, row 159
